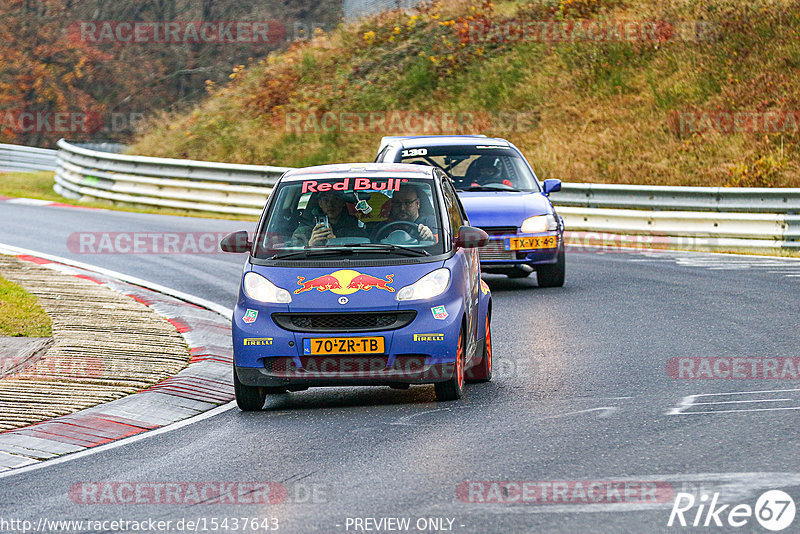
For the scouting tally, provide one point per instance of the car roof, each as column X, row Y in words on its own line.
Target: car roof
column 344, row 170
column 416, row 141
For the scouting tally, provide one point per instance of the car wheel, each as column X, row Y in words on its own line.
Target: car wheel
column 482, row 372
column 453, row 388
column 248, row 398
column 552, row 275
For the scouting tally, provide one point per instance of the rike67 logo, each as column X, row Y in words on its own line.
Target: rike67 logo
column 774, row 510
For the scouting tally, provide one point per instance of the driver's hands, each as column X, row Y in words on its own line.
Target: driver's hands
column 320, row 235
column 425, row 233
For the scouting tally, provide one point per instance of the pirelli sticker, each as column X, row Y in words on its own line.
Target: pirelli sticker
column 428, row 337
column 253, row 341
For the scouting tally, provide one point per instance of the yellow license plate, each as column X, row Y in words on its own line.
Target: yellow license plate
column 343, row 345
column 530, row 243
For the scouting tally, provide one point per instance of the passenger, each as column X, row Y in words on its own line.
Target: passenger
column 340, row 222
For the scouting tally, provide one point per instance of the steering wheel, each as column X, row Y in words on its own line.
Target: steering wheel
column 407, row 226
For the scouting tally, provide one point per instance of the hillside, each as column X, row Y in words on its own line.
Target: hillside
column 617, row 91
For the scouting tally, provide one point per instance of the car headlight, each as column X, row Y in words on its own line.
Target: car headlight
column 539, row 223
column 259, row 288
column 431, row 285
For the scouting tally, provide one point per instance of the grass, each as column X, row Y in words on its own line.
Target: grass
column 605, row 111
column 20, row 313
column 39, row 185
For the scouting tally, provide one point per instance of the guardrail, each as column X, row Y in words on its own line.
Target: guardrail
column 653, row 197
column 17, row 158
column 684, row 217
column 174, row 183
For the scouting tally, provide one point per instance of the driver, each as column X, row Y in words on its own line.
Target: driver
column 405, row 207
column 483, row 171
column 340, row 222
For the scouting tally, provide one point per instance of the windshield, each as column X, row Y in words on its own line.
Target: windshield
column 348, row 216
column 477, row 167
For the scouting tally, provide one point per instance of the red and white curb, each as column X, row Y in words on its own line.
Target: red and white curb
column 205, row 384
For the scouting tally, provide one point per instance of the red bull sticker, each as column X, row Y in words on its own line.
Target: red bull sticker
column 344, row 282
column 358, row 184
column 484, row 287
column 250, row 316
column 439, row 312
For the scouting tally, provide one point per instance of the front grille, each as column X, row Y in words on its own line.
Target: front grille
column 495, row 249
column 343, row 321
column 500, row 230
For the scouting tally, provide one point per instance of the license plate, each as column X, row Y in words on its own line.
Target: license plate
column 343, row 345
column 529, row 243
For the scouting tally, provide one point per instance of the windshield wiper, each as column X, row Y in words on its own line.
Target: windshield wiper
column 489, row 187
column 317, row 251
column 391, row 248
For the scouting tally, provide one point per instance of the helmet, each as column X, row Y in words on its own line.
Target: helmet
column 484, row 171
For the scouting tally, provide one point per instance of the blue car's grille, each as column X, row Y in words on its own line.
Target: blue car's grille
column 343, row 321
column 495, row 249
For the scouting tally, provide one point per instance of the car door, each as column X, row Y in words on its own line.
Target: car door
column 470, row 265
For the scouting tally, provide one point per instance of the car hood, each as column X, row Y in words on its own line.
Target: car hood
column 318, row 289
column 502, row 208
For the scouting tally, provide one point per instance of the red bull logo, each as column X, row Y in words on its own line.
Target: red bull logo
column 344, row 282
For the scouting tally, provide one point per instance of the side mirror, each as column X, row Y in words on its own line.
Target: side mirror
column 471, row 237
column 236, row 242
column 551, row 186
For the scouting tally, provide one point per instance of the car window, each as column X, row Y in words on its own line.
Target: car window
column 453, row 209
column 352, row 212
column 476, row 167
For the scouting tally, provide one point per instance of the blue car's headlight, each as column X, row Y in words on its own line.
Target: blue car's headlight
column 259, row 288
column 539, row 223
column 431, row 285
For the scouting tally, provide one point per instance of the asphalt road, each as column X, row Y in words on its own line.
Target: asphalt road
column 581, row 394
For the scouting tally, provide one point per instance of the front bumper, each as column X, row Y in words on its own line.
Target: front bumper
column 495, row 257
column 421, row 352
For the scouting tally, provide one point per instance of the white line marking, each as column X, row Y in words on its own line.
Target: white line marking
column 607, row 410
column 688, row 402
column 745, row 410
column 745, row 392
column 406, row 419
column 736, row 402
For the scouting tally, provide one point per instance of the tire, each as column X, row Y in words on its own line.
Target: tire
column 248, row 398
column 453, row 389
column 482, row 372
column 552, row 275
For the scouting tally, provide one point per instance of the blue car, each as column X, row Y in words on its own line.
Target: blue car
column 502, row 196
column 361, row 274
